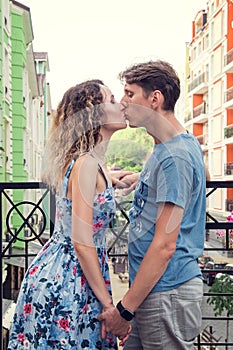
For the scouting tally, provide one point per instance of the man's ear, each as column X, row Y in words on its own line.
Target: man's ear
column 156, row 99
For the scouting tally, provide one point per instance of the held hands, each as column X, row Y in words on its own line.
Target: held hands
column 125, row 180
column 114, row 323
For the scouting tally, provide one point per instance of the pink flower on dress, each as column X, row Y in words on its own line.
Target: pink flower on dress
column 104, row 258
column 97, row 226
column 101, row 199
column 74, row 270
column 44, row 248
column 27, row 308
column 26, row 344
column 85, row 309
column 110, row 340
column 64, row 324
column 21, row 337
column 33, row 270
column 107, row 283
column 83, row 280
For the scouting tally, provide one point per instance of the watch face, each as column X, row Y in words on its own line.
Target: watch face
column 125, row 313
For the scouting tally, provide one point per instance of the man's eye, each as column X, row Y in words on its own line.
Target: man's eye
column 129, row 94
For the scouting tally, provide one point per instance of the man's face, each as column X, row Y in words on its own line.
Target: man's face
column 137, row 106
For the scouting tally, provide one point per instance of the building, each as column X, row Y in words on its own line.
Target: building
column 25, row 113
column 209, row 92
column 25, row 102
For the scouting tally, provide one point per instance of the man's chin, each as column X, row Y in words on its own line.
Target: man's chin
column 132, row 125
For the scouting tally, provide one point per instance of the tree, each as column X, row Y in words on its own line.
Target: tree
column 129, row 148
column 222, row 303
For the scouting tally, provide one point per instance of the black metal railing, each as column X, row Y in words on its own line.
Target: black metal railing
column 27, row 224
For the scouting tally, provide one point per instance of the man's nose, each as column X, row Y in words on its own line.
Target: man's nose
column 123, row 99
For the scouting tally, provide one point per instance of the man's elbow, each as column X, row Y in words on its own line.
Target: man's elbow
column 168, row 250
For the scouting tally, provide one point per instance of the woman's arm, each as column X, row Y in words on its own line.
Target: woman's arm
column 84, row 177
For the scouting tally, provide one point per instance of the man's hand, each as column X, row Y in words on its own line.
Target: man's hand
column 130, row 182
column 124, row 180
column 114, row 323
column 117, row 176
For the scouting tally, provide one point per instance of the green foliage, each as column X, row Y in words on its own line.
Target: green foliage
column 128, row 149
column 222, row 303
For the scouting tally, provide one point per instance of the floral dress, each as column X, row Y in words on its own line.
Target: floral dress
column 56, row 307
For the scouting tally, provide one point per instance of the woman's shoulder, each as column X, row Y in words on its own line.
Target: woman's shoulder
column 85, row 164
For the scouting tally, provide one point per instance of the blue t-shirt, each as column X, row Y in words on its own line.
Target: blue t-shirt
column 174, row 173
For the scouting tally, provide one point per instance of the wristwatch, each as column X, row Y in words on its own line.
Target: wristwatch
column 125, row 313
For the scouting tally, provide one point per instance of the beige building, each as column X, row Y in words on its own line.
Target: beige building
column 209, row 93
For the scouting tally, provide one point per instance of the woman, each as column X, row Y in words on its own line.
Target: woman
column 67, row 285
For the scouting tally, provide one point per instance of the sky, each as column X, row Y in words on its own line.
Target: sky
column 98, row 39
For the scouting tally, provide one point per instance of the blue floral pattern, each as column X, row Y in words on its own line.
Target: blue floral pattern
column 56, row 307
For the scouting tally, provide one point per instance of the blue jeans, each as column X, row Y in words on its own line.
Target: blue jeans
column 168, row 320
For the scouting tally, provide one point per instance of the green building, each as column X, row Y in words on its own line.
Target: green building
column 25, row 104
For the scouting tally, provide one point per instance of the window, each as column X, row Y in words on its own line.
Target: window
column 6, row 15
column 8, row 144
column 25, row 87
column 217, row 29
column 206, row 42
column 6, row 73
column 199, row 48
column 1, row 146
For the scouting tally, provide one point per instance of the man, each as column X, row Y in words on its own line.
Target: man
column 167, row 220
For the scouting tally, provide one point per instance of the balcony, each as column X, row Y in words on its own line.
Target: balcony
column 228, row 169
column 199, row 85
column 228, row 98
column 229, row 202
column 202, row 139
column 187, row 117
column 228, row 131
column 33, row 232
column 228, row 62
column 199, row 113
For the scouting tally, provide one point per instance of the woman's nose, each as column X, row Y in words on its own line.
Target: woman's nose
column 123, row 104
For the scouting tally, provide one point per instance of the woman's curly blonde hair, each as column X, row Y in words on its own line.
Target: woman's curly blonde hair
column 75, row 129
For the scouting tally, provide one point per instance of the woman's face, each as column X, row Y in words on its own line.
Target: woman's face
column 114, row 114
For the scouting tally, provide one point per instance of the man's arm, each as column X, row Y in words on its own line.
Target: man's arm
column 153, row 264
column 157, row 256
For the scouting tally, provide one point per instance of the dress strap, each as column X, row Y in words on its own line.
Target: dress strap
column 66, row 177
column 101, row 171
column 103, row 174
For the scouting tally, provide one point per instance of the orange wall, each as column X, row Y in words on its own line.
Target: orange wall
column 229, row 77
column 229, row 160
column 229, row 153
column 229, row 116
column 197, row 100
column 197, row 129
column 230, row 193
column 229, row 29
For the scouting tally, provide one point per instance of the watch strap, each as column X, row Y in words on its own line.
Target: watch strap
column 124, row 312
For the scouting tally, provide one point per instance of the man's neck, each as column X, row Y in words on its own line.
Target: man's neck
column 164, row 126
